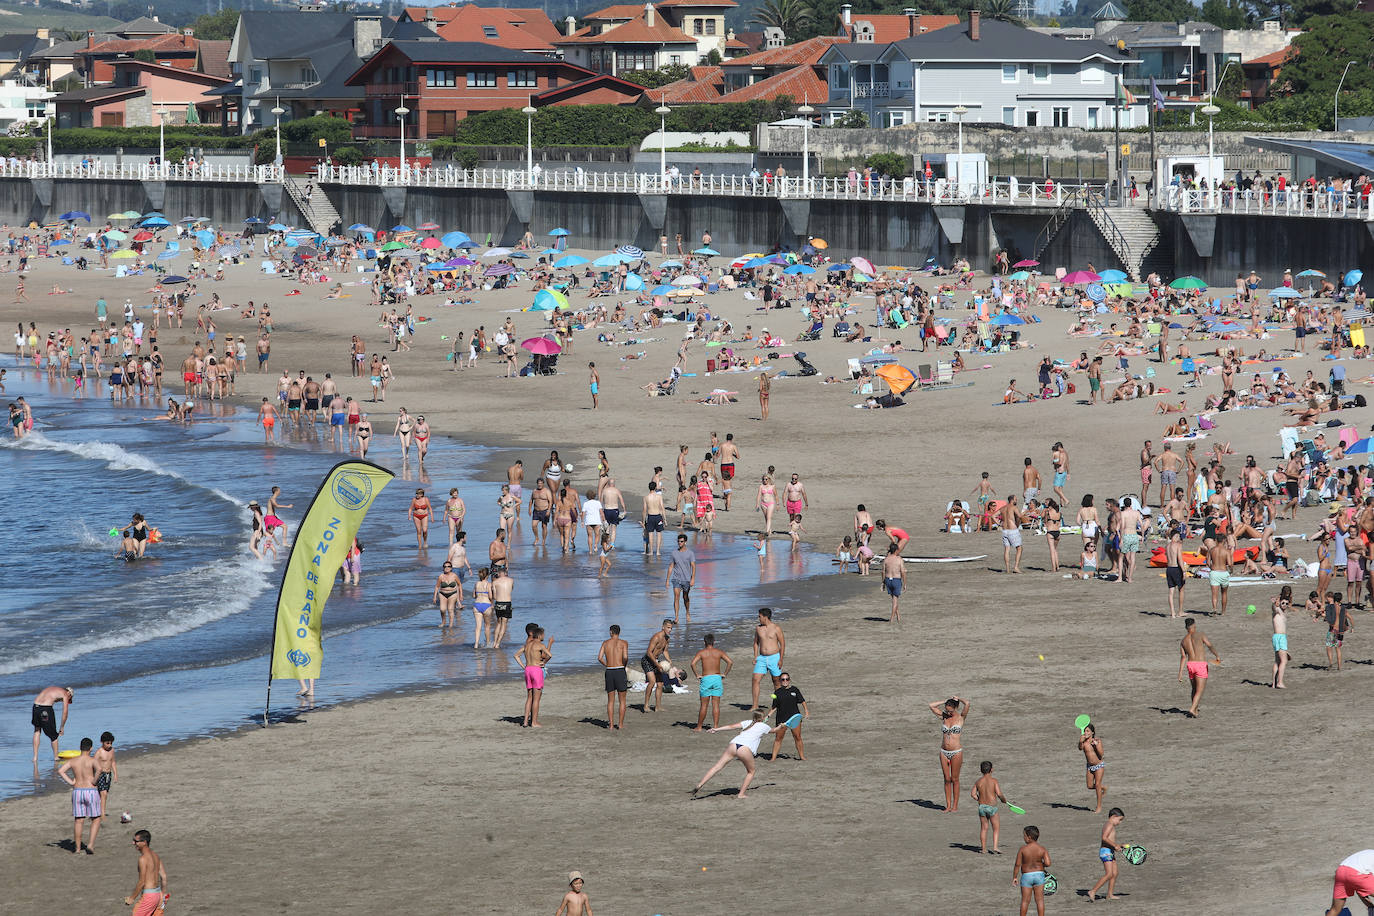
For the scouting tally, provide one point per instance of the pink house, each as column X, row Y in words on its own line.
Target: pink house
column 138, row 92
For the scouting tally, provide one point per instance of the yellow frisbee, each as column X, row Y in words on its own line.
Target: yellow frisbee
column 68, row 755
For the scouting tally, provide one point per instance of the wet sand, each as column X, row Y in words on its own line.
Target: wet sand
column 440, row 802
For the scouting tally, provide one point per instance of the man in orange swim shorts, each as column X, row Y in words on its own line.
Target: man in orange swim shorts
column 1354, row 878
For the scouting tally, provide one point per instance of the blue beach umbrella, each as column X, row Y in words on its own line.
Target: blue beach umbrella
column 836, row 268
column 707, row 252
column 1361, row 447
column 756, row 262
column 57, row 242
column 253, row 220
column 1019, row 275
column 1113, row 276
column 1005, row 318
column 74, row 215
column 663, row 290
column 1096, row 292
column 1353, row 277
column 153, row 213
column 278, row 227
column 560, row 232
column 173, row 280
column 356, row 227
column 800, row 269
column 155, row 222
column 546, row 300
column 205, row 237
column 670, row 264
column 1284, row 292
column 634, row 282
column 550, row 252
column 401, row 227
column 572, row 260
column 455, row 239
column 169, row 254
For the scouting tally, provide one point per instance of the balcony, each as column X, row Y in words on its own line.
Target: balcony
column 872, row 90
column 394, row 90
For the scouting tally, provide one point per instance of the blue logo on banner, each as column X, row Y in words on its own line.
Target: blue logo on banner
column 298, row 657
column 352, row 490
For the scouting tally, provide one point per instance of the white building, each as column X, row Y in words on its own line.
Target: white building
column 21, row 103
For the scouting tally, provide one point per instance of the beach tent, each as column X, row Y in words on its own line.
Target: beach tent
column 546, row 300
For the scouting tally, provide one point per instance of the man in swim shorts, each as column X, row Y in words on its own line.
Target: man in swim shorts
column 729, row 454
column 44, row 716
column 1354, row 878
column 656, row 671
column 769, row 648
column 615, row 652
column 79, row 773
column 150, row 893
column 653, row 520
column 794, row 495
column 711, row 683
column 1192, row 657
column 894, row 578
column 1131, row 522
column 1032, row 860
column 1219, row 563
column 1011, row 535
column 502, row 587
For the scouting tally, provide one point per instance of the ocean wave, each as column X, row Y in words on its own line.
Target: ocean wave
column 229, row 588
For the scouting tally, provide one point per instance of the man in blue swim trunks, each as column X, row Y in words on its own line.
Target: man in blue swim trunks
column 769, row 648
column 791, row 709
column 711, row 686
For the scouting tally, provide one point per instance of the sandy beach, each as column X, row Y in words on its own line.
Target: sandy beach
column 439, row 802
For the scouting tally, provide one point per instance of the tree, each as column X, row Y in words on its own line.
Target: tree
column 217, row 26
column 851, row 119
column 1005, row 10
column 145, row 55
column 1323, row 50
column 1225, row 14
column 789, row 15
column 1161, row 10
column 652, row 79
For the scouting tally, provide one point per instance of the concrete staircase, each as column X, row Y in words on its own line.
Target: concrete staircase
column 319, row 213
column 1131, row 232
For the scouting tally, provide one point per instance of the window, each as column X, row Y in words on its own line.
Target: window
column 1061, row 117
column 446, row 79
column 308, row 75
column 710, row 27
column 1010, row 73
column 937, row 116
column 489, row 31
column 38, row 110
column 1032, row 118
column 255, row 75
column 898, row 118
column 1093, row 73
column 481, row 79
column 1042, row 73
column 522, row 79
column 698, row 26
column 839, row 76
column 1092, row 118
column 675, row 60
column 635, row 60
column 1009, row 115
column 440, row 123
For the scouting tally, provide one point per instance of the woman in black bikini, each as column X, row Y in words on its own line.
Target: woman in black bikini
column 448, row 594
column 364, row 433
column 952, row 714
column 404, row 428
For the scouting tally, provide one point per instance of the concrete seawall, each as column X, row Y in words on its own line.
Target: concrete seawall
column 1215, row 248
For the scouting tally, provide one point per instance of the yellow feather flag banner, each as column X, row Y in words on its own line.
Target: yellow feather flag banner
column 323, row 537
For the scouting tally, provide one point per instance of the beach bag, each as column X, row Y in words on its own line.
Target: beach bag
column 1072, row 388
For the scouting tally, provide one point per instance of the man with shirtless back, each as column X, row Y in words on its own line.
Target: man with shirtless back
column 729, row 456
column 652, row 517
column 1010, row 519
column 612, row 507
column 311, row 391
column 1131, row 523
column 614, row 653
column 1173, row 570
column 706, row 665
column 502, row 587
column 188, row 375
column 515, row 476
column 541, row 505
column 655, row 674
column 1219, row 558
column 151, row 889
column 44, row 716
column 1030, row 482
column 80, row 773
column 769, row 648
column 1147, row 470
column 1193, row 656
column 1169, row 465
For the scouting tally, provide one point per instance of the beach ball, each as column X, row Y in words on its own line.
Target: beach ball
column 1250, row 609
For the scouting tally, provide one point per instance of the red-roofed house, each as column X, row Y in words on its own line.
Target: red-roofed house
column 514, row 29
column 804, row 84
column 98, row 59
column 792, row 70
column 755, row 68
column 138, row 90
column 886, row 28
column 1262, row 75
column 703, row 84
column 628, row 37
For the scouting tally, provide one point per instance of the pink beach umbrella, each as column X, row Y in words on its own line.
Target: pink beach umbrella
column 1081, row 276
column 541, row 346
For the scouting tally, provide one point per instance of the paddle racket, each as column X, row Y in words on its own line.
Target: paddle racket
column 1082, row 722
column 1051, row 884
column 68, row 755
column 1134, row 853
column 1015, row 809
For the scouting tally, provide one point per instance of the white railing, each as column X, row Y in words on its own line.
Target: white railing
column 1002, row 192
column 140, row 171
column 1289, row 202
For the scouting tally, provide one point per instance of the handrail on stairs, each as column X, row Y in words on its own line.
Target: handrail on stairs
column 1073, row 200
column 1098, row 211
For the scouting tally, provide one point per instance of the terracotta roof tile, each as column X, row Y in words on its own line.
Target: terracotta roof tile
column 894, row 27
column 801, row 83
column 636, row 31
column 803, row 52
column 1276, row 58
column 619, row 11
column 704, row 84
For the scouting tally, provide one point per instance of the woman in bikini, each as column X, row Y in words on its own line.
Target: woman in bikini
column 553, row 471
column 481, row 607
column 1054, row 520
column 454, row 510
column 387, row 377
column 766, row 502
column 953, row 713
column 448, row 594
column 564, row 511
column 405, row 428
column 1088, row 521
column 364, row 433
column 422, row 436
column 419, row 513
column 508, row 505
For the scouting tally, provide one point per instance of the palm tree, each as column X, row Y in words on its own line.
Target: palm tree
column 1005, row 10
column 791, row 16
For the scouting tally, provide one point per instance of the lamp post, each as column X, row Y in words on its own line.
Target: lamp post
column 1210, row 111
column 528, row 111
column 48, row 119
column 161, row 140
column 277, row 112
column 1337, row 111
column 805, row 110
column 401, row 113
column 959, row 111
column 662, row 111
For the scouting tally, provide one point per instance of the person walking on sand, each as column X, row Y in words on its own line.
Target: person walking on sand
column 1192, row 656
column 1173, row 570
column 1219, row 574
column 765, row 384
column 614, row 653
column 952, row 713
column 533, row 656
column 150, row 893
column 770, row 645
column 1028, row 873
column 80, row 773
column 894, row 578
column 1107, row 852
column 1093, row 752
column 1010, row 518
column 44, row 716
column 987, row 792
column 575, row 902
column 744, row 747
column 710, row 679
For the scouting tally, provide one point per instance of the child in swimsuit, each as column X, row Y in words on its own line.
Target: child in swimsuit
column 845, row 554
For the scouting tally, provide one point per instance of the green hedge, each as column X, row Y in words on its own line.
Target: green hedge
column 611, row 125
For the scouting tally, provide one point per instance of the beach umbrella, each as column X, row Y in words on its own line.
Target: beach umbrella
column 1353, row 277
column 173, row 280
column 431, row 243
column 861, row 277
column 755, row 262
column 608, row 260
column 1006, row 318
column 1019, row 275
column 205, row 237
column 1361, row 446
column 191, row 219
column 1081, row 276
column 836, row 268
column 116, row 235
column 130, row 214
column 74, row 215
column 143, row 235
column 498, row 270
column 401, row 227
column 546, row 300
column 800, row 269
column 1113, row 276
column 560, row 232
column 495, row 253
column 688, row 280
column 1026, row 263
column 877, row 359
column 818, row 243
column 634, row 282
column 456, row 239
column 116, row 216
column 1096, row 292
column 459, row 262
column 393, row 246
column 1310, row 272
column 686, row 292
column 541, row 346
column 428, row 227
column 170, row 254
column 403, row 253
column 1284, row 292
column 865, row 265
column 152, row 213
column 1188, row 283
column 156, row 222
column 898, row 378
column 524, row 256
column 664, row 290
column 631, row 251
column 124, row 254
column 572, row 260
column 550, row 252
column 278, row 227
column 707, row 252
column 668, row 264
column 253, row 220
column 360, row 227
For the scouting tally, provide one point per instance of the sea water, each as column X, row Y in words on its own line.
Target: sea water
column 176, row 645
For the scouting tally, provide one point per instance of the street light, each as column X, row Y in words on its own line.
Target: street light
column 805, row 110
column 1210, row 111
column 1338, row 93
column 662, row 111
column 401, row 113
column 48, row 119
column 529, row 111
column 959, row 111
column 277, row 112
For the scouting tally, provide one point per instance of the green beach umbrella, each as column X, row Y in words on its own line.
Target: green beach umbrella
column 116, row 235
column 1188, row 283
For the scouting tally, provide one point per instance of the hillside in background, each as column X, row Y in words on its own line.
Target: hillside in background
column 16, row 18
